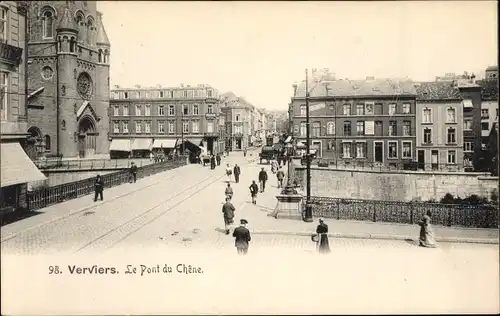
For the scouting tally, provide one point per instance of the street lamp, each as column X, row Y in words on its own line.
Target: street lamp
column 308, row 207
column 289, row 188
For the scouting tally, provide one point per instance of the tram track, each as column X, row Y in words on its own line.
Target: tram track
column 87, row 208
column 108, row 240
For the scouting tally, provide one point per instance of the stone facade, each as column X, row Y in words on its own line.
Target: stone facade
column 395, row 186
column 440, row 127
column 68, row 71
column 189, row 112
column 13, row 72
column 368, row 121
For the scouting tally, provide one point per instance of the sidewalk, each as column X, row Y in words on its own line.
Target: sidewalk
column 86, row 202
column 261, row 223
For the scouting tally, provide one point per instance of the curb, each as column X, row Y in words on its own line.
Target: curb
column 84, row 208
column 489, row 241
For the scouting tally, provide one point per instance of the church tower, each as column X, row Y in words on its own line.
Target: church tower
column 69, row 78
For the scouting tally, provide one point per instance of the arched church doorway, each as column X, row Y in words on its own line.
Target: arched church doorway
column 87, row 137
column 34, row 146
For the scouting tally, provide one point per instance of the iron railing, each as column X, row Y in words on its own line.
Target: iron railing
column 90, row 164
column 44, row 197
column 478, row 216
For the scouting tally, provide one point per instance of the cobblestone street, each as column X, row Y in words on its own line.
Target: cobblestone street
column 180, row 210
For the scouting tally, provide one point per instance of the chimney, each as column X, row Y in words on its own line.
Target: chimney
column 370, row 78
column 138, row 86
column 294, row 89
column 181, row 85
column 158, row 86
column 117, row 86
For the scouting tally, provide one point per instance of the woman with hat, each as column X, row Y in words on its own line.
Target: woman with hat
column 426, row 232
column 322, row 237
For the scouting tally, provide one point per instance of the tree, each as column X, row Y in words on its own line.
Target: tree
column 492, row 149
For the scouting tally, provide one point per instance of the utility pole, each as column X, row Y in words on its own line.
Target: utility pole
column 182, row 130
column 308, row 210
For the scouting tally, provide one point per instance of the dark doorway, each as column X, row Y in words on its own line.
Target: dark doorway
column 238, row 144
column 421, row 159
column 379, row 152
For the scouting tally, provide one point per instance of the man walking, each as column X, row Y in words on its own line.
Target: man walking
column 228, row 212
column 98, row 187
column 242, row 237
column 280, row 175
column 237, row 172
column 217, row 157
column 245, row 152
column 133, row 172
column 262, row 180
column 254, row 189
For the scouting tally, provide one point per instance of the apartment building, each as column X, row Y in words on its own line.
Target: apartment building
column 238, row 114
column 440, row 126
column 17, row 169
column 489, row 103
column 160, row 118
column 368, row 121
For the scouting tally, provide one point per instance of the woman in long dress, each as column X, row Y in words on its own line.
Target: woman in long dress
column 323, row 243
column 426, row 232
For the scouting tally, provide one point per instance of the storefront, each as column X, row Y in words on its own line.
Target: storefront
column 141, row 147
column 17, row 170
column 119, row 148
column 164, row 146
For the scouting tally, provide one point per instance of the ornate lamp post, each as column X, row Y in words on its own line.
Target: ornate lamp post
column 289, row 187
column 308, row 206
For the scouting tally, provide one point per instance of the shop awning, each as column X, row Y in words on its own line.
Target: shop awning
column 141, row 144
column 195, row 141
column 165, row 143
column 17, row 167
column 120, row 145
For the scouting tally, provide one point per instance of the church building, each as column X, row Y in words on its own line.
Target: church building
column 68, row 80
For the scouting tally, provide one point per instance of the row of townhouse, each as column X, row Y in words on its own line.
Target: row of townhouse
column 160, row 118
column 245, row 124
column 442, row 125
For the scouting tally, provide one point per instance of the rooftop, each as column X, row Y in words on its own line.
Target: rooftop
column 489, row 89
column 436, row 90
column 160, row 87
column 356, row 88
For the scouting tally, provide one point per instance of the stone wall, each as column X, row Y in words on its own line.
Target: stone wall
column 395, row 186
column 56, row 178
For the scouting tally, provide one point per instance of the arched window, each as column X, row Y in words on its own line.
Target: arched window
column 100, row 56
column 48, row 23
column 90, row 32
column 106, row 56
column 47, row 142
column 330, row 128
column 72, row 45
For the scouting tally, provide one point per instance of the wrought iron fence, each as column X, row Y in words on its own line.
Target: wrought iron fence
column 90, row 164
column 478, row 216
column 44, row 197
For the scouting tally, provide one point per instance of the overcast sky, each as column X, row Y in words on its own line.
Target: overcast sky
column 258, row 49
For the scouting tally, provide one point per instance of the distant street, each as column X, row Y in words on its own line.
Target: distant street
column 181, row 210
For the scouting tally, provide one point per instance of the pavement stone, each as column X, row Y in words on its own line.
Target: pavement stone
column 109, row 221
column 261, row 222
